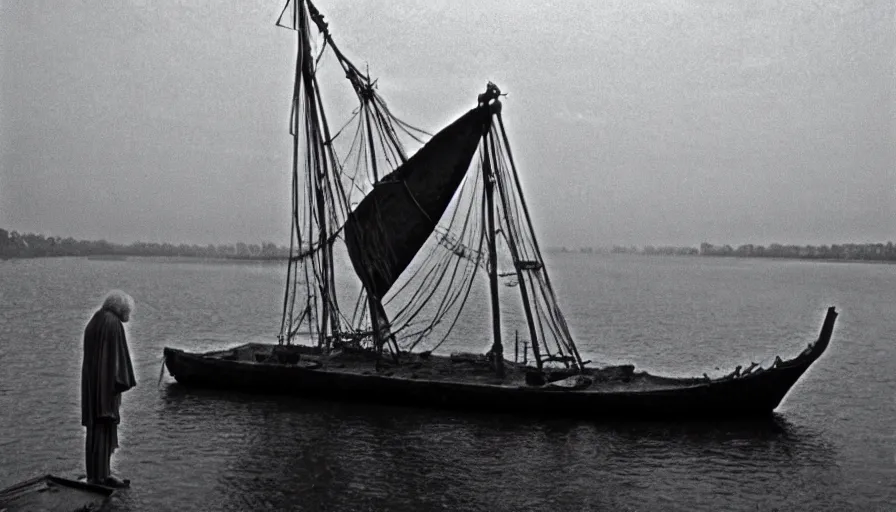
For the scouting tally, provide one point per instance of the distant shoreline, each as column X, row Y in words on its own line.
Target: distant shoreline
column 834, row 253
column 15, row 245
column 189, row 258
column 787, row 258
column 272, row 259
column 129, row 257
column 728, row 256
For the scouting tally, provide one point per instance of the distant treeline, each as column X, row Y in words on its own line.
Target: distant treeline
column 878, row 251
column 871, row 251
column 661, row 250
column 30, row 245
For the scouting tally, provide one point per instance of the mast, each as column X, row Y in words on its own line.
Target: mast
column 497, row 350
column 365, row 95
column 516, row 179
column 488, row 175
column 394, row 219
column 308, row 126
column 391, row 224
column 317, row 173
column 517, row 263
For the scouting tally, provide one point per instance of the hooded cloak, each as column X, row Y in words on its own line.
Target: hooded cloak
column 106, row 371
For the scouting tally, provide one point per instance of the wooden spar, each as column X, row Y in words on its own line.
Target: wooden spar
column 300, row 64
column 388, row 129
column 515, row 254
column 488, row 177
column 374, row 325
column 320, row 200
column 374, row 328
column 335, row 327
column 295, row 231
column 376, row 176
column 547, row 278
column 378, row 340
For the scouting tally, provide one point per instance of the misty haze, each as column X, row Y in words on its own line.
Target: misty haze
column 670, row 122
column 432, row 255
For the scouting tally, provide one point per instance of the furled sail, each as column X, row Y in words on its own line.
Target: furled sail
column 389, row 226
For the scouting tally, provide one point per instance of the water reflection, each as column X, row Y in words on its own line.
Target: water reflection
column 190, row 450
column 289, row 453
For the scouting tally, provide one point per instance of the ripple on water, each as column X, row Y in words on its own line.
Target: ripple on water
column 830, row 449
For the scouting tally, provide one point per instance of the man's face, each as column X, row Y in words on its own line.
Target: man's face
column 125, row 316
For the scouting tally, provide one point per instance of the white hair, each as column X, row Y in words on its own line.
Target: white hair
column 119, row 302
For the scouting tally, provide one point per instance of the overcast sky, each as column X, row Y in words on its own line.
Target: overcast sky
column 656, row 121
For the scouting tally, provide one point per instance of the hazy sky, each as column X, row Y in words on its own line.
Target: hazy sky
column 657, row 121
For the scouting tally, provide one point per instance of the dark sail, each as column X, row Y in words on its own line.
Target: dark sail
column 393, row 221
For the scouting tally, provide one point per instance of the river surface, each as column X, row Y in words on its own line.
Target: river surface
column 831, row 446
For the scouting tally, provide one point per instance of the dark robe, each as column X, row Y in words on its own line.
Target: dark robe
column 105, row 373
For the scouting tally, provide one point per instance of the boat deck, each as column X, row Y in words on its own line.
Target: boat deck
column 458, row 368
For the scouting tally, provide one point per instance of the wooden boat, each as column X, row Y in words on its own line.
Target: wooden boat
column 434, row 212
column 54, row 494
column 469, row 383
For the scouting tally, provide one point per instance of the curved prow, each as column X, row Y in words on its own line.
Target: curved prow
column 824, row 338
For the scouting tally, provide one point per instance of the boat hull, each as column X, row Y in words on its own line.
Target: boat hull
column 644, row 396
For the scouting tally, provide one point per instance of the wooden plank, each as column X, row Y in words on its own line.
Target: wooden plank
column 55, row 494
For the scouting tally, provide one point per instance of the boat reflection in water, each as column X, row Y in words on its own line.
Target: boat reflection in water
column 281, row 453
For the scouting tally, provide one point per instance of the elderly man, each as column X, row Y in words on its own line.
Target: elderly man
column 106, row 373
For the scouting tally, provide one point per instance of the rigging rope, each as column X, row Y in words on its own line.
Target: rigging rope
column 442, row 282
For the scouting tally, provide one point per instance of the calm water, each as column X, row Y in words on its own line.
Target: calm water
column 832, row 446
